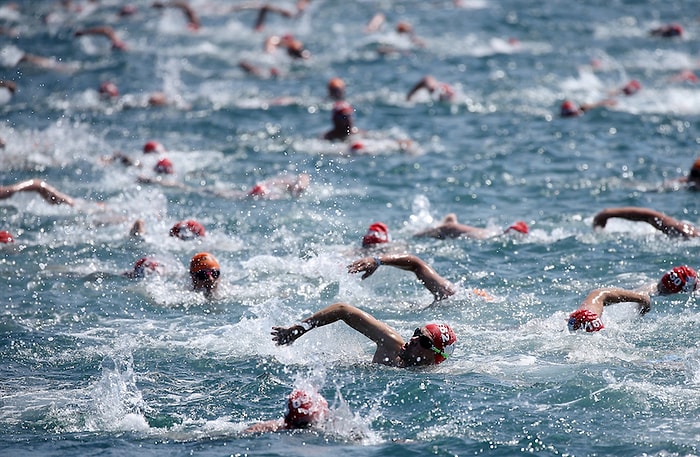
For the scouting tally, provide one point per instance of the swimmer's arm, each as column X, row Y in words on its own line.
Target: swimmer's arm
column 609, row 296
column 436, row 284
column 264, row 427
column 658, row 220
column 359, row 320
column 47, row 192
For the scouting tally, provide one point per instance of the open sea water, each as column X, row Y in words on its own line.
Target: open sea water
column 93, row 363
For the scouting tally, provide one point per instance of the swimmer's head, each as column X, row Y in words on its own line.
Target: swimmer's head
column 584, row 319
column 694, row 173
column 677, row 280
column 187, row 230
column 443, row 338
column 144, row 266
column 519, row 226
column 404, row 27
column 377, row 233
column 164, row 167
column 336, row 89
column 109, row 90
column 632, row 87
column 153, row 146
column 304, row 408
column 569, row 109
column 204, row 272
column 6, row 237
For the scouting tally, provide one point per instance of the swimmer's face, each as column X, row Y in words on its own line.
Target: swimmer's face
column 416, row 354
column 205, row 280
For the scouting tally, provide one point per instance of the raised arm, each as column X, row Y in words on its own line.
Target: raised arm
column 436, row 284
column 598, row 298
column 660, row 221
column 47, row 192
column 359, row 320
column 106, row 31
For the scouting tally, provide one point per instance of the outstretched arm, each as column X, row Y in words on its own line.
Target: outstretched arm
column 48, row 193
column 364, row 323
column 451, row 228
column 660, row 221
column 598, row 298
column 436, row 284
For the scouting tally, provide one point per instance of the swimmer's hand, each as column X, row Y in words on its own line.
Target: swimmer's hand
column 287, row 335
column 600, row 219
column 367, row 264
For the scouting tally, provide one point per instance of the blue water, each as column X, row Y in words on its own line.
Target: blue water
column 96, row 364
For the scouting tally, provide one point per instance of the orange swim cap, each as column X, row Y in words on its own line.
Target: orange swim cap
column 203, row 261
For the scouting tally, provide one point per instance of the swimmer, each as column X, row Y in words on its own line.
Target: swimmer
column 204, row 273
column 632, row 87
column 691, row 180
column 666, row 224
column 587, row 316
column 294, row 47
column 680, row 279
column 305, row 408
column 451, row 228
column 443, row 91
column 342, row 122
column 47, row 192
column 436, row 284
column 187, row 230
column 570, row 109
column 281, row 185
column 667, row 30
column 430, row 344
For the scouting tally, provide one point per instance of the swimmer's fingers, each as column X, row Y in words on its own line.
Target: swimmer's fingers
column 286, row 335
column 368, row 265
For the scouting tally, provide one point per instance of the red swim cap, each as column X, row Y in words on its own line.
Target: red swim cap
column 109, row 89
column 377, row 233
column 304, row 408
column 442, row 336
column 569, row 109
column 632, row 87
column 342, row 109
column 143, row 266
column 187, row 230
column 6, row 237
column 153, row 146
column 585, row 319
column 519, row 226
column 679, row 279
column 258, row 190
column 164, row 167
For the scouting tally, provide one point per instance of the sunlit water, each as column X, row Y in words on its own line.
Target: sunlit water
column 96, row 364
